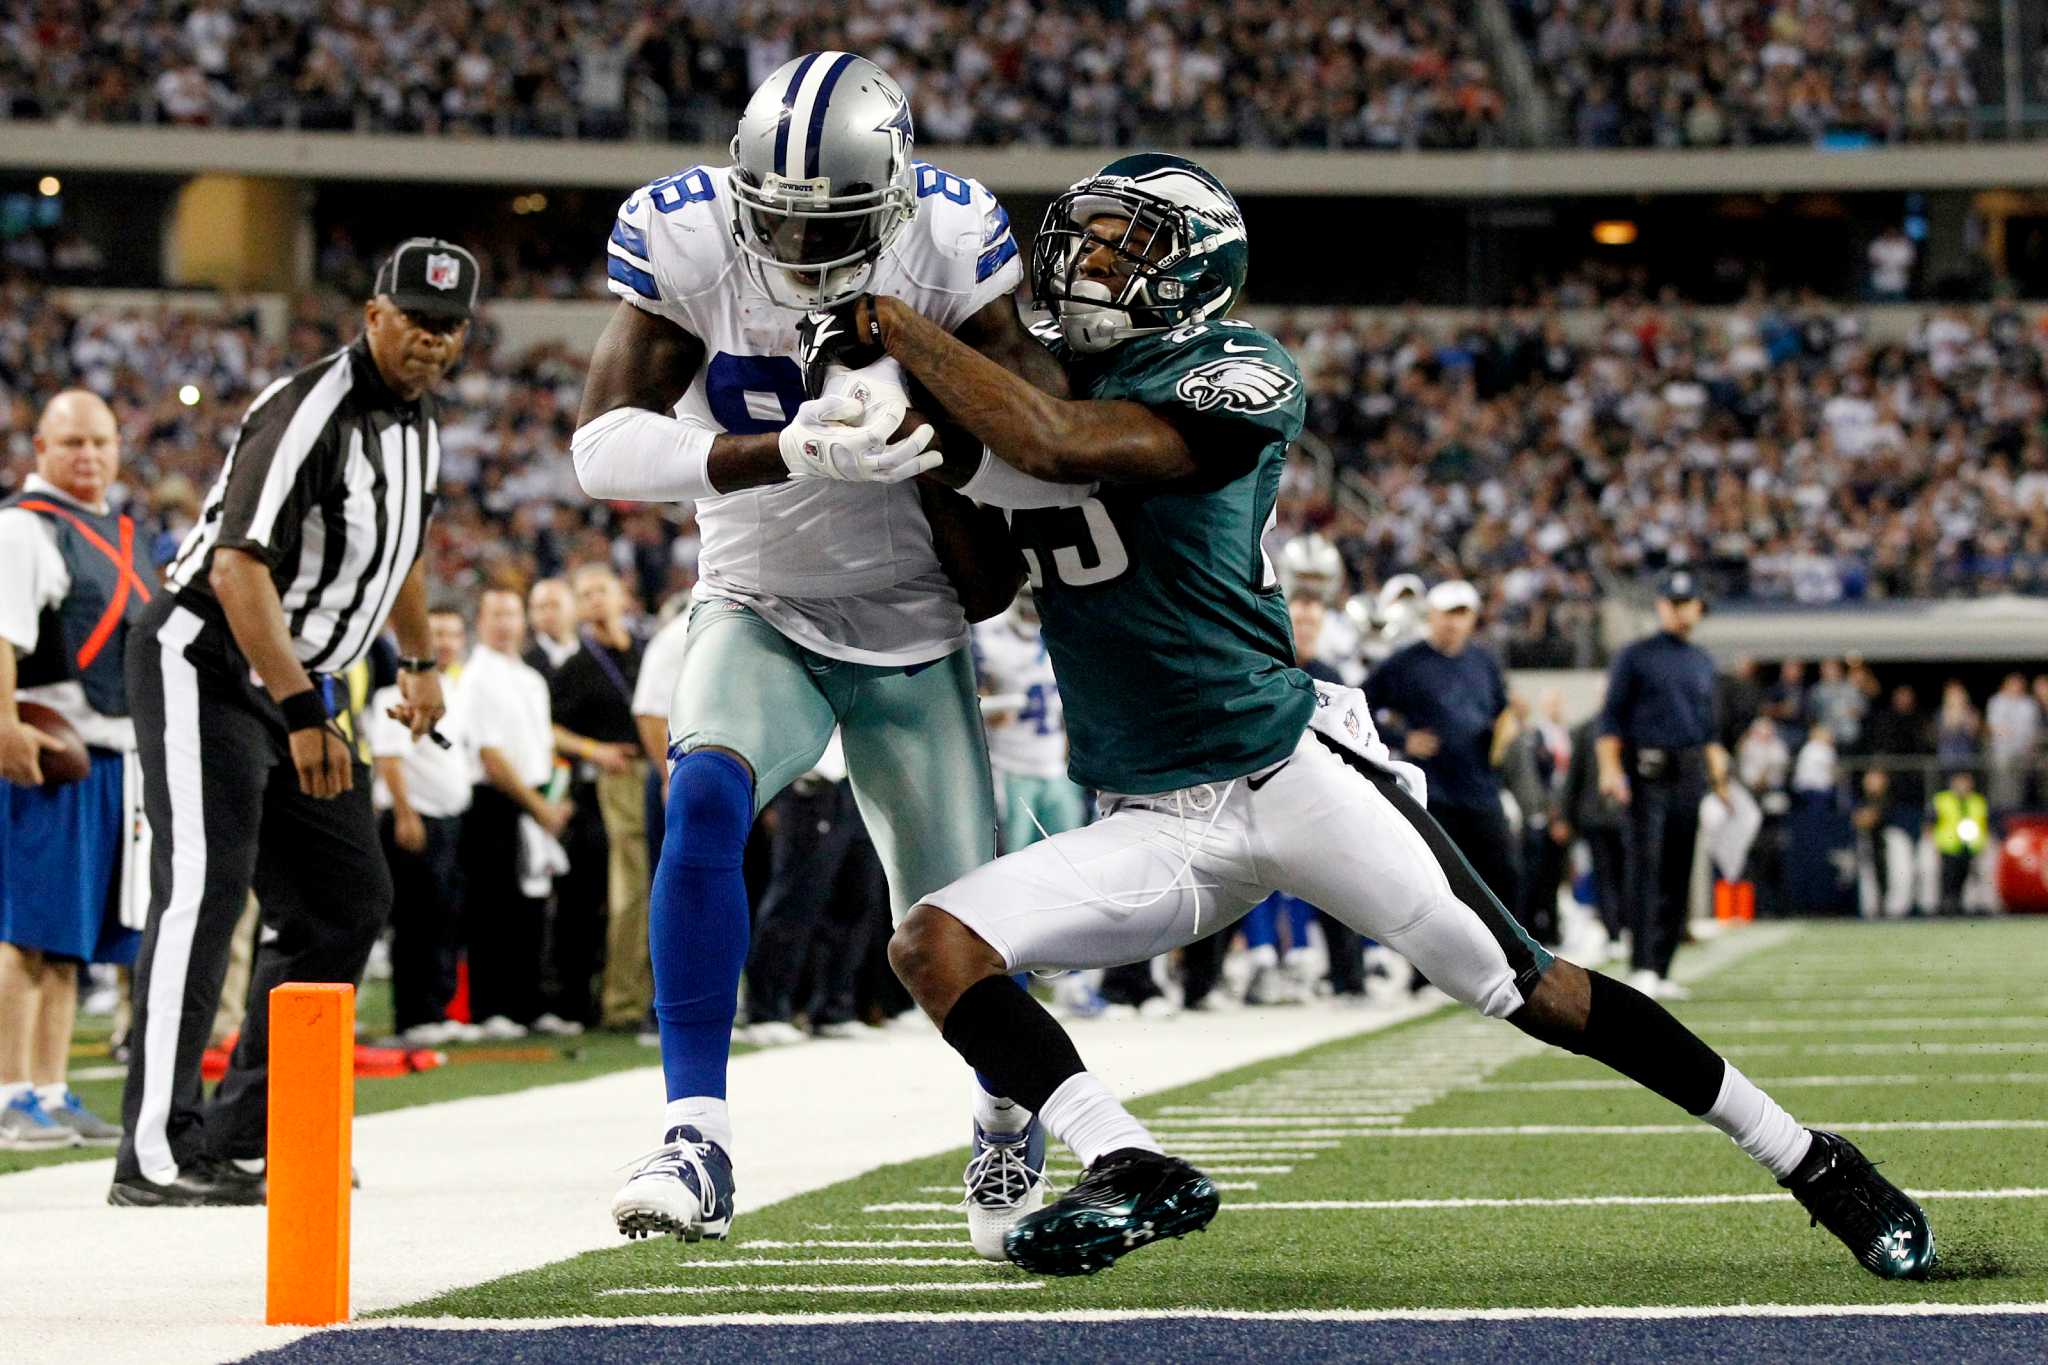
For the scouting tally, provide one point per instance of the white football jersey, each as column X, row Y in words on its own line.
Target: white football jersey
column 1013, row 665
column 844, row 569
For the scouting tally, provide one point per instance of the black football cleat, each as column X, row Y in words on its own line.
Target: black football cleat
column 1875, row 1219
column 200, row 1184
column 1127, row 1199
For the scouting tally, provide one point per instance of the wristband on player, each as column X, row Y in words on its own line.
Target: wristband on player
column 417, row 665
column 304, row 710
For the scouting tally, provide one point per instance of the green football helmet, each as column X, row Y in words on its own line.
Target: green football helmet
column 1183, row 244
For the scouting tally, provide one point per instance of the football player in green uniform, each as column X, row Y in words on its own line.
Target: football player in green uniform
column 1225, row 771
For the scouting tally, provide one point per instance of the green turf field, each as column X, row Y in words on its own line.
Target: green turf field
column 473, row 1069
column 1909, row 1024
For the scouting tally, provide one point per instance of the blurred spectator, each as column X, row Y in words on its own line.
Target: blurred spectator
column 1962, row 825
column 1837, row 703
column 1957, row 728
column 1444, row 700
column 1900, row 731
column 1891, row 256
column 1535, row 767
column 1598, row 819
column 601, row 908
column 551, row 611
column 2012, row 719
column 508, row 851
column 1817, row 772
column 423, row 788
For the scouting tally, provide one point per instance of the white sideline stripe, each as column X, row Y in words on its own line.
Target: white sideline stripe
column 1588, row 1313
column 1247, row 1170
column 854, row 1244
column 915, row 1206
column 1676, row 1129
column 1594, row 1201
column 1885, row 1048
column 1943, row 1022
column 960, row 1262
column 1907, row 1078
column 905, row 1287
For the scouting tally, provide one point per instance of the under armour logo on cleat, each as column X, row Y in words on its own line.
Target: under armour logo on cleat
column 1138, row 1235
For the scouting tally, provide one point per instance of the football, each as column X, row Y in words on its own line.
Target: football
column 60, row 766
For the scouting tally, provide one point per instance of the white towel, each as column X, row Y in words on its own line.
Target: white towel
column 1730, row 827
column 541, row 858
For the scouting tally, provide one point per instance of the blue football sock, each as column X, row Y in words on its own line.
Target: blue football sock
column 1262, row 924
column 697, row 920
column 1300, row 914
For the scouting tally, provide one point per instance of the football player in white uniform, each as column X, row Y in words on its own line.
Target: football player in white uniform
column 821, row 602
column 1027, row 730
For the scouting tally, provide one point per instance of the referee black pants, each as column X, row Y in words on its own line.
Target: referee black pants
column 1663, row 824
column 225, row 814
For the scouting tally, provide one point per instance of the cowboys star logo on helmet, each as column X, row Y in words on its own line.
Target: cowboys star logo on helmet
column 1236, row 386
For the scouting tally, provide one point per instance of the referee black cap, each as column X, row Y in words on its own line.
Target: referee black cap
column 1678, row 585
column 430, row 277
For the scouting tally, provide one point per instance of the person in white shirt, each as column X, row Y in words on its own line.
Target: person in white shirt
column 511, row 730
column 424, row 789
column 72, row 583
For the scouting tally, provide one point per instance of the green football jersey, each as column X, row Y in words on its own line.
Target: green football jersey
column 1163, row 615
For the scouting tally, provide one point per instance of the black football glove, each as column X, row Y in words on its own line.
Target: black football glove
column 846, row 335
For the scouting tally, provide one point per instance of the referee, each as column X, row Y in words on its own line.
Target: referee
column 1658, row 752
column 308, row 542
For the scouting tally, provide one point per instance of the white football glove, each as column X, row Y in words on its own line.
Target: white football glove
column 838, row 437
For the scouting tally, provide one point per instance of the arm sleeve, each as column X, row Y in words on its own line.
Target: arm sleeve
column 27, row 581
column 632, row 454
column 285, row 458
column 999, row 484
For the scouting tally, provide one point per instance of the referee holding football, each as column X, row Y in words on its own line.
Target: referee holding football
column 309, row 540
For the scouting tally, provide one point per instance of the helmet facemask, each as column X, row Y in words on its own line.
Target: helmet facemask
column 809, row 248
column 1154, row 251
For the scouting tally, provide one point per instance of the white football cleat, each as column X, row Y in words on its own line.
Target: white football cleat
column 683, row 1189
column 1005, row 1181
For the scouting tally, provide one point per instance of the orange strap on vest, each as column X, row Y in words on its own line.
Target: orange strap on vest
column 124, row 560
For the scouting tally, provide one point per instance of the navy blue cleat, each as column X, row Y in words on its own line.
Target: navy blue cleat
column 1127, row 1199
column 683, row 1189
column 1875, row 1219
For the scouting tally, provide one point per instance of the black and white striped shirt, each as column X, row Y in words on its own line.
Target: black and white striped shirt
column 331, row 481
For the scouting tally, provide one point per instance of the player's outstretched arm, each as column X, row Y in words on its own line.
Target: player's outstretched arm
column 1058, row 439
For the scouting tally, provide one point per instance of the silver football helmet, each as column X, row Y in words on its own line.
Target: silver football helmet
column 821, row 178
column 1310, row 563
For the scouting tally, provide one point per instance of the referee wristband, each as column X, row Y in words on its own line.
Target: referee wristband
column 304, row 710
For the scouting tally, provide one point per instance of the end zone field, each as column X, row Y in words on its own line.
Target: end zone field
column 1444, row 1188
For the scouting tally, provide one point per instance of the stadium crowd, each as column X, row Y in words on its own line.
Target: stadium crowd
column 1255, row 73
column 1624, row 74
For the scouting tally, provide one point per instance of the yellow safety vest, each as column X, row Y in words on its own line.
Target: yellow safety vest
column 1962, row 824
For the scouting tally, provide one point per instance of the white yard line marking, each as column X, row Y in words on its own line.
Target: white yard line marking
column 1247, row 1170
column 906, row 1287
column 1883, row 1048
column 1596, row 1201
column 1935, row 1023
column 1901, row 1078
column 950, row 1262
column 852, row 1244
column 1124, row 1315
column 914, row 1206
column 1242, row 1123
column 1680, row 1129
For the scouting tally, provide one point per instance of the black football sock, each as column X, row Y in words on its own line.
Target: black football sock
column 1012, row 1041
column 1638, row 1037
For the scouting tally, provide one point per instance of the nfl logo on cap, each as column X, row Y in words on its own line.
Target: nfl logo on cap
column 443, row 270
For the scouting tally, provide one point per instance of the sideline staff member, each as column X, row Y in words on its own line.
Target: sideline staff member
column 308, row 541
column 1658, row 754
